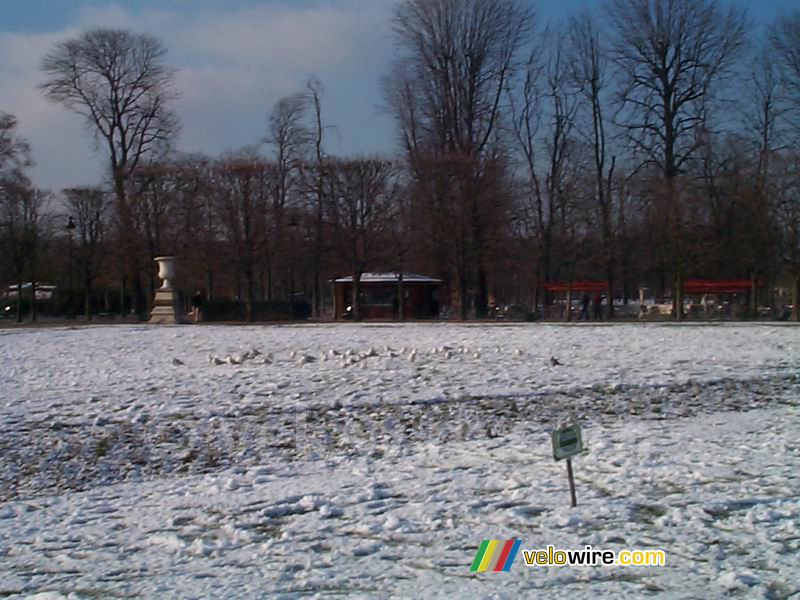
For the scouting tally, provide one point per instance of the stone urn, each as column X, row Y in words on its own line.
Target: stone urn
column 166, row 270
column 165, row 307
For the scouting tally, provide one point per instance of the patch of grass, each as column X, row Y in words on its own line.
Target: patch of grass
column 648, row 513
column 102, row 447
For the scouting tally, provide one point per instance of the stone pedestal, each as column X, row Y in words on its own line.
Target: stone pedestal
column 165, row 308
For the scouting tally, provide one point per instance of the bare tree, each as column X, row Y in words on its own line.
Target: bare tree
column 785, row 38
column 765, row 135
column 589, row 67
column 543, row 113
column 87, row 206
column 316, row 186
column 118, row 81
column 20, row 209
column 289, row 139
column 22, row 214
column 243, row 186
column 788, row 218
column 14, row 150
column 197, row 227
column 153, row 200
column 671, row 56
column 363, row 191
column 446, row 93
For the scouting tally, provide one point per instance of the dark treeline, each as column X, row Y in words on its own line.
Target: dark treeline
column 643, row 145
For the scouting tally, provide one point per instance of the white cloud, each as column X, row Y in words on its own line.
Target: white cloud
column 232, row 67
column 60, row 144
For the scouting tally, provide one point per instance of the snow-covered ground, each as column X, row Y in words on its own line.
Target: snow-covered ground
column 371, row 460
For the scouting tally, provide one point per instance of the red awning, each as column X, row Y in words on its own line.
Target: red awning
column 575, row 286
column 717, row 286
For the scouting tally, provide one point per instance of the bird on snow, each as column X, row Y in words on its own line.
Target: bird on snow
column 177, row 362
column 214, row 360
column 305, row 359
column 233, row 360
column 413, row 356
column 554, row 361
column 517, row 353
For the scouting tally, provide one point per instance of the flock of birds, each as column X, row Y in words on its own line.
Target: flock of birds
column 351, row 358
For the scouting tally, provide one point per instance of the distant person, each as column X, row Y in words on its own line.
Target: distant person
column 598, row 307
column 584, row 307
column 197, row 304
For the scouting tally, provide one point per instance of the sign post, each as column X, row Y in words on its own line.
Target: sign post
column 567, row 442
column 571, row 483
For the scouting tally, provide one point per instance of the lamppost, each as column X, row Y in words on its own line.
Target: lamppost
column 71, row 231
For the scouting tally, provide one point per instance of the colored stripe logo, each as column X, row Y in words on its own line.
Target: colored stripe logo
column 495, row 555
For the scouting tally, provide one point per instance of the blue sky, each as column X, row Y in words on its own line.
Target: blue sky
column 235, row 59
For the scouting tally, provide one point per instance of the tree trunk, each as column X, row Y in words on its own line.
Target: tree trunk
column 248, row 306
column 400, row 300
column 796, row 299
column 136, row 293
column 19, row 301
column 568, row 308
column 87, row 298
column 677, row 299
column 209, row 285
column 462, row 299
column 753, row 295
column 482, row 299
column 122, row 298
column 33, row 296
column 356, row 289
column 316, row 292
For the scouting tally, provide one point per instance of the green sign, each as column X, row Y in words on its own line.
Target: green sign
column 567, row 442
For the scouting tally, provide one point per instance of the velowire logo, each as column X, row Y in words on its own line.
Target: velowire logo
column 495, row 555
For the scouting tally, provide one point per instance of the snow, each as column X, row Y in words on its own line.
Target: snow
column 390, row 278
column 368, row 473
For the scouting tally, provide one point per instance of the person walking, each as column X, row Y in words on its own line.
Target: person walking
column 584, row 307
column 598, row 307
column 197, row 304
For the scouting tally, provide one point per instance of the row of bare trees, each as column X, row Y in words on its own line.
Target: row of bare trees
column 643, row 145
column 602, row 139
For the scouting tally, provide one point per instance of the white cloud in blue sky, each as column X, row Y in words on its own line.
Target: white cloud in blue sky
column 233, row 64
